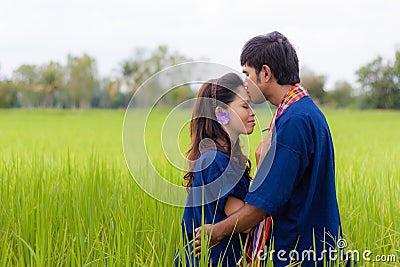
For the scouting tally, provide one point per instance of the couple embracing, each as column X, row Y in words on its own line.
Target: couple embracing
column 291, row 202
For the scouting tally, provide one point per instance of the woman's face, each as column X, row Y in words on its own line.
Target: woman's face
column 241, row 115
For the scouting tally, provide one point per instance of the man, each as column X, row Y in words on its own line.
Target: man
column 295, row 183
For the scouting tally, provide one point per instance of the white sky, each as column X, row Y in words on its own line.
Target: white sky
column 332, row 38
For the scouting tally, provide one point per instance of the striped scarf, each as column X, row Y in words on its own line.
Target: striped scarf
column 259, row 235
column 296, row 93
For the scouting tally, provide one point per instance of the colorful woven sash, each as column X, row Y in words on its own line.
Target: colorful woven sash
column 259, row 235
column 296, row 93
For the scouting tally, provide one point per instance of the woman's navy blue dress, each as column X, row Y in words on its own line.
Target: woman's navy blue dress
column 216, row 177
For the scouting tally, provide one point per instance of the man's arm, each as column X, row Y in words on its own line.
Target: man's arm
column 232, row 205
column 243, row 219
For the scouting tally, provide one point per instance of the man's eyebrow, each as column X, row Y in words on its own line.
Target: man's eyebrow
column 247, row 101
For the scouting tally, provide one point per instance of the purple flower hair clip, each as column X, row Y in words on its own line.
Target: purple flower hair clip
column 223, row 118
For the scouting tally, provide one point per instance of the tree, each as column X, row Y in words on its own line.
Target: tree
column 177, row 96
column 8, row 94
column 315, row 85
column 51, row 80
column 109, row 95
column 341, row 96
column 380, row 83
column 82, row 81
column 135, row 71
column 144, row 63
column 28, row 89
column 396, row 80
column 27, row 75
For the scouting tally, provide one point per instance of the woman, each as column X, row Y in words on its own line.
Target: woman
column 219, row 173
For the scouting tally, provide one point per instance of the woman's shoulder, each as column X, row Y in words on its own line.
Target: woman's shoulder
column 213, row 154
column 212, row 159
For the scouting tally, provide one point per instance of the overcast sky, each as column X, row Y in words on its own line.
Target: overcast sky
column 332, row 38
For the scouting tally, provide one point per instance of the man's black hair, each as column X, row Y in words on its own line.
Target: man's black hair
column 274, row 50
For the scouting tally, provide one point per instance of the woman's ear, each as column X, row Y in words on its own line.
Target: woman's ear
column 218, row 110
column 222, row 115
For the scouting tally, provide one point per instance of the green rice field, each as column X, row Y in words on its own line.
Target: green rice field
column 67, row 197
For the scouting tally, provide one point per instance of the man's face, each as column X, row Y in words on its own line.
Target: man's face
column 254, row 85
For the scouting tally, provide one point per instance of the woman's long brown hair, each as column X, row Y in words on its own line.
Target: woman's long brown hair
column 204, row 125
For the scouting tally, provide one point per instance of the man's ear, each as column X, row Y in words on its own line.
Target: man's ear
column 267, row 73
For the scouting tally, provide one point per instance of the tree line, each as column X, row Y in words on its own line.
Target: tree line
column 77, row 83
column 379, row 87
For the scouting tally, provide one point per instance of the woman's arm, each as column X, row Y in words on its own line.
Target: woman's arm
column 232, row 205
column 245, row 217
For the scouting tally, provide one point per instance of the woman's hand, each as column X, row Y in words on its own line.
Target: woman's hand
column 211, row 233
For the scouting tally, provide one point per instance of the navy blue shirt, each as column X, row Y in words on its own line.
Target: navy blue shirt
column 295, row 184
column 216, row 177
